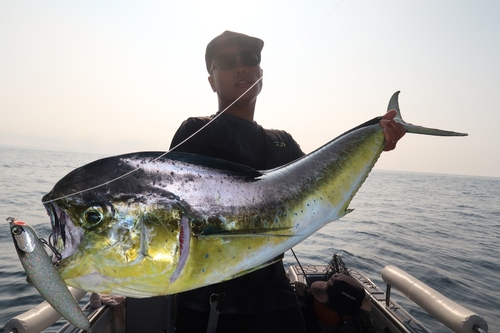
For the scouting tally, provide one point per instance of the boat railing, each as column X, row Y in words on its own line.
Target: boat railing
column 386, row 310
column 454, row 316
column 38, row 318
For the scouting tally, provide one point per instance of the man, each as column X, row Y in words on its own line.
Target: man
column 261, row 301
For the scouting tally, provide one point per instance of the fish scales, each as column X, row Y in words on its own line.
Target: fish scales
column 239, row 228
column 183, row 221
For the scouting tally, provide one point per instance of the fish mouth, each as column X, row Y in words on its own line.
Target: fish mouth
column 65, row 236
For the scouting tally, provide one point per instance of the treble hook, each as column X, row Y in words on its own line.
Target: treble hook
column 53, row 249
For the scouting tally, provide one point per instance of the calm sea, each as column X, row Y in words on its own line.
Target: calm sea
column 442, row 229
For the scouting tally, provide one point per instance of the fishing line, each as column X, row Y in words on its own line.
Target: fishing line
column 301, row 268
column 162, row 155
column 292, row 49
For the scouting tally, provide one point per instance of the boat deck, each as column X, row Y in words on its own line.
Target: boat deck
column 384, row 317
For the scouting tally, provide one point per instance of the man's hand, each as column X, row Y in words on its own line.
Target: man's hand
column 392, row 130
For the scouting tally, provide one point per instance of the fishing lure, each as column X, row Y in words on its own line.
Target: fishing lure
column 44, row 276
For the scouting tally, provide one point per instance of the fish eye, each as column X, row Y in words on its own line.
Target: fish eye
column 17, row 230
column 93, row 216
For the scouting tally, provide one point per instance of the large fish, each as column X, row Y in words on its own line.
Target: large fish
column 178, row 222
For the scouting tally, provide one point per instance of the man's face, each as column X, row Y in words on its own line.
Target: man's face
column 232, row 83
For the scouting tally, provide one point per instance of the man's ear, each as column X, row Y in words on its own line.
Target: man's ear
column 212, row 83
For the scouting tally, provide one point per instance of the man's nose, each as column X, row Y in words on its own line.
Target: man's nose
column 240, row 68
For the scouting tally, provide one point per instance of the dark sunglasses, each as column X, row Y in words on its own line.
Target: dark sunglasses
column 226, row 61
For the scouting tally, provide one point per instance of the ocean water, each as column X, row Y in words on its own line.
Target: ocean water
column 442, row 229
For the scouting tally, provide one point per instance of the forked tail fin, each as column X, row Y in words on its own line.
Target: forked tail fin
column 410, row 128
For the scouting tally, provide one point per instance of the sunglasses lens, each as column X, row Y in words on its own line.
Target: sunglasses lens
column 249, row 58
column 228, row 60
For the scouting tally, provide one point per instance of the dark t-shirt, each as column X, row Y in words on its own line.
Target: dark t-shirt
column 237, row 140
column 245, row 142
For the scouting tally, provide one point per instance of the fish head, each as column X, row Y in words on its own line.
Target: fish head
column 104, row 219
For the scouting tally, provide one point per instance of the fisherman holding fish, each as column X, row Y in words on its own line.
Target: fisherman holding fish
column 263, row 300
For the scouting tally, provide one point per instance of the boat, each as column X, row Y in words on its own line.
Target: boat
column 111, row 314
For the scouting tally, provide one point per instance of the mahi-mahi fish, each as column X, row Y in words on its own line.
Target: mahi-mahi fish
column 178, row 221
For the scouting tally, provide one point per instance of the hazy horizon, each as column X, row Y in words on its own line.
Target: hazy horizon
column 118, row 77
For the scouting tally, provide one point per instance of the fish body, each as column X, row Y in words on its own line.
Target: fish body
column 176, row 222
column 44, row 276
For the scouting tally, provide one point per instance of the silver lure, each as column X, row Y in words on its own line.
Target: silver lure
column 44, row 276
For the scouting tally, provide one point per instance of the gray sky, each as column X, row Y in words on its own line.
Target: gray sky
column 120, row 76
